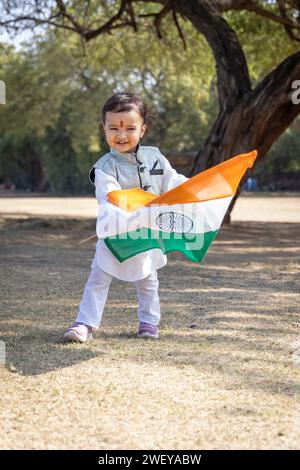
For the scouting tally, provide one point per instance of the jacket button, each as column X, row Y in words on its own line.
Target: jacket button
column 145, row 188
column 142, row 169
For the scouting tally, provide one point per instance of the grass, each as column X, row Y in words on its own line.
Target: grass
column 224, row 374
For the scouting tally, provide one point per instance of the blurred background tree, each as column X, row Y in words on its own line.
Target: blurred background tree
column 57, row 82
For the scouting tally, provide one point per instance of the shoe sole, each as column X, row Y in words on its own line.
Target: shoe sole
column 72, row 336
column 147, row 335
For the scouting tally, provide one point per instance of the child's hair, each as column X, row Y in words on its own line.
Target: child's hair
column 123, row 102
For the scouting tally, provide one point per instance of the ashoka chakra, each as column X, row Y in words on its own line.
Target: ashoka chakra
column 174, row 222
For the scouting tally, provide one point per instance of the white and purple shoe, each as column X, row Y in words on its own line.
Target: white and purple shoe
column 147, row 331
column 79, row 332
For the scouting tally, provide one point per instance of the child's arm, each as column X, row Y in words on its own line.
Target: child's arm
column 171, row 178
column 104, row 184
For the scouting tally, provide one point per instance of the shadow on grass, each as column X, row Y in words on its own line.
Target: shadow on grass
column 37, row 353
column 215, row 316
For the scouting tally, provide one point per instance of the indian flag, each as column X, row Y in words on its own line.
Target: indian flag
column 186, row 218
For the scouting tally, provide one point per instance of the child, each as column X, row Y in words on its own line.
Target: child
column 127, row 165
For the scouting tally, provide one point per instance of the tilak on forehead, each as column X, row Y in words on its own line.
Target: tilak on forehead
column 121, row 123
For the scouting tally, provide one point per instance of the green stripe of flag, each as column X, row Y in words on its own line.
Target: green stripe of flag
column 193, row 246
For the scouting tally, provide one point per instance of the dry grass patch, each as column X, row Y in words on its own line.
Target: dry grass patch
column 224, row 374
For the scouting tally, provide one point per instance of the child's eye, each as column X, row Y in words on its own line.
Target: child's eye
column 115, row 129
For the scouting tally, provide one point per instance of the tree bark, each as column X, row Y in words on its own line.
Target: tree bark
column 248, row 119
column 232, row 71
column 256, row 120
column 40, row 182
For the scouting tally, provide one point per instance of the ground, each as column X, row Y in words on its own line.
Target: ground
column 224, row 375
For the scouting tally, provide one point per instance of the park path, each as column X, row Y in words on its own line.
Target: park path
column 251, row 207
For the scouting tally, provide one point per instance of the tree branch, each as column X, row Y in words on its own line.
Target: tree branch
column 158, row 19
column 250, row 5
column 288, row 29
column 284, row 20
column 109, row 25
column 63, row 11
column 179, row 29
column 37, row 21
column 132, row 15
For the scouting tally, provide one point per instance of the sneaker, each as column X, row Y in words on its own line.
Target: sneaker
column 79, row 332
column 147, row 331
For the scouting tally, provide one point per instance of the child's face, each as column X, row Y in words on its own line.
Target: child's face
column 123, row 131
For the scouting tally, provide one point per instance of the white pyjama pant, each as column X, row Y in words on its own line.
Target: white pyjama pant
column 96, row 291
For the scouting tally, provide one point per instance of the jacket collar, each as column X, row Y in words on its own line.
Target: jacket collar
column 130, row 157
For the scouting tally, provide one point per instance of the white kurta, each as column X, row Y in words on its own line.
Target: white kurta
column 141, row 265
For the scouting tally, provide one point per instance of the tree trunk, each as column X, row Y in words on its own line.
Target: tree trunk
column 256, row 121
column 39, row 178
column 248, row 119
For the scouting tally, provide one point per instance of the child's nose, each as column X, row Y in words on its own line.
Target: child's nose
column 121, row 133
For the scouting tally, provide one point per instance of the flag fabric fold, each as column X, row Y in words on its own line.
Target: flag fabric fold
column 186, row 218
